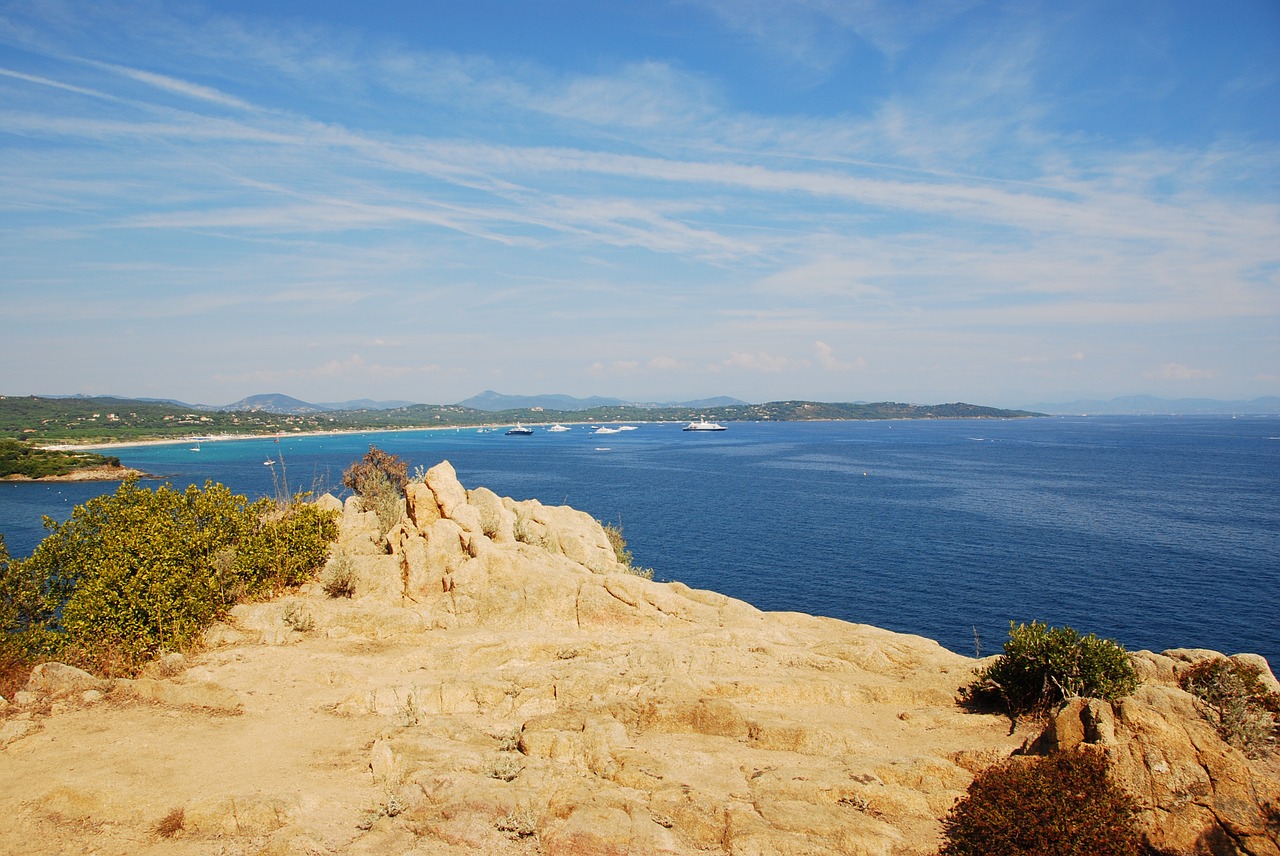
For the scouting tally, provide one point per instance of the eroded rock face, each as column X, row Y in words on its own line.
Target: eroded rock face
column 1196, row 794
column 498, row 684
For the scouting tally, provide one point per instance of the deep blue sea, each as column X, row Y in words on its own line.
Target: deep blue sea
column 1158, row 532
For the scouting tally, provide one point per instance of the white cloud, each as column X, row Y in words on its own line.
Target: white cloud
column 1178, row 372
column 760, row 361
column 827, row 359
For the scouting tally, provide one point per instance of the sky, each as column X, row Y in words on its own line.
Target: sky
column 655, row 200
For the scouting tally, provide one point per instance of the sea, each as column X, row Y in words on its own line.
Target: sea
column 1157, row 532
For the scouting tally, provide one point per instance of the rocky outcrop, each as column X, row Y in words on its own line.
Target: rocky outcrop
column 499, row 683
column 1196, row 794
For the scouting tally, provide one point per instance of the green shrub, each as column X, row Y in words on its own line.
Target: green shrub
column 1062, row 805
column 1240, row 706
column 139, row 571
column 19, row 607
column 1041, row 666
column 379, row 478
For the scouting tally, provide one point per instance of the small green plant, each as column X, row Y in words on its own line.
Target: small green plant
column 1061, row 805
column 379, row 478
column 299, row 618
column 619, row 543
column 339, row 578
column 1239, row 705
column 1041, row 666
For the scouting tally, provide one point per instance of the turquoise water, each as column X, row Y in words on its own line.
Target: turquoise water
column 1158, row 532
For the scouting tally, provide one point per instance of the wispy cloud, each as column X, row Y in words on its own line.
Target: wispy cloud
column 1179, row 372
column 650, row 210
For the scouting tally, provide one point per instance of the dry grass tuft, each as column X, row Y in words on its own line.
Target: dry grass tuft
column 172, row 823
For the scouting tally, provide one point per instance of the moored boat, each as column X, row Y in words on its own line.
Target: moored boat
column 703, row 425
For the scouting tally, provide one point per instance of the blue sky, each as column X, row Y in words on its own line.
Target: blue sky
column 1002, row 203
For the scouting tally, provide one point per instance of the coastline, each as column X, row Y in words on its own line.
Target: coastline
column 86, row 474
column 221, row 438
column 224, row 438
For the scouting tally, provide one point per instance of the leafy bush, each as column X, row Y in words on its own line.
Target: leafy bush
column 141, row 571
column 379, row 478
column 1062, row 805
column 1041, row 666
column 19, row 599
column 1240, row 706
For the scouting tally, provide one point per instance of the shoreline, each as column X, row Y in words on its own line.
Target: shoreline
column 224, row 438
column 221, row 438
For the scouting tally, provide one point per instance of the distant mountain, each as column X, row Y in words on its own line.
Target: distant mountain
column 495, row 401
column 718, row 401
column 1147, row 405
column 273, row 403
column 365, row 404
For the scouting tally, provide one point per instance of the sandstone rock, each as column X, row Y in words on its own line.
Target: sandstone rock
column 450, row 495
column 57, row 680
column 421, row 505
column 329, row 502
column 15, row 729
column 497, row 684
column 208, row 696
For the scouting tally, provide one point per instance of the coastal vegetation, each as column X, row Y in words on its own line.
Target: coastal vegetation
column 613, row 532
column 1064, row 804
column 114, row 420
column 1042, row 666
column 1237, row 702
column 379, row 479
column 140, row 572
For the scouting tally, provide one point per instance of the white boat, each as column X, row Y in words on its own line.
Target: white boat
column 519, row 430
column 196, row 447
column 704, row 425
column 557, row 428
column 605, row 429
column 626, row 427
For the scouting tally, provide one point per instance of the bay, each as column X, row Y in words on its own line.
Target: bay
column 1158, row 532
